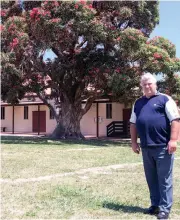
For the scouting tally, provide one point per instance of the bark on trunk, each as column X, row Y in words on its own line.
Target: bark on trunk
column 68, row 126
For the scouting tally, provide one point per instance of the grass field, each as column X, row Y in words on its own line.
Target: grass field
column 45, row 179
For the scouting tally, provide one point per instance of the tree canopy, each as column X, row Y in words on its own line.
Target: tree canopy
column 101, row 48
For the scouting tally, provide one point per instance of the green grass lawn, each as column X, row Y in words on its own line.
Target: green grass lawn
column 106, row 194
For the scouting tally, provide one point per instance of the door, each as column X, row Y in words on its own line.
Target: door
column 126, row 114
column 39, row 121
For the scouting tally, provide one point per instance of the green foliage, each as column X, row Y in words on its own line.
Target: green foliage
column 101, row 47
column 164, row 44
column 171, row 86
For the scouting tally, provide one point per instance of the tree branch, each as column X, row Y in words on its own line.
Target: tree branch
column 57, row 52
column 88, row 104
column 41, row 96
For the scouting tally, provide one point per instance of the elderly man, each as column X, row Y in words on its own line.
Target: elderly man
column 155, row 119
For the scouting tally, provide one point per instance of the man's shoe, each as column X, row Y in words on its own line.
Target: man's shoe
column 162, row 215
column 153, row 210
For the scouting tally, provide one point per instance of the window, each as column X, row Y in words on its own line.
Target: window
column 51, row 115
column 26, row 111
column 2, row 113
column 108, row 110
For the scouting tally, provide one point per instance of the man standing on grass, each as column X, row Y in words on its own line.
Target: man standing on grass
column 155, row 119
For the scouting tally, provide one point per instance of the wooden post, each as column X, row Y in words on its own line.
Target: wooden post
column 38, row 119
column 125, row 123
column 13, row 120
column 97, row 120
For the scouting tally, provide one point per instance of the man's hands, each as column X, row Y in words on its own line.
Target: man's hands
column 172, row 146
column 135, row 148
column 134, row 145
column 175, row 128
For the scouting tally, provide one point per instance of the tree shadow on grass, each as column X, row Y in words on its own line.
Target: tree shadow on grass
column 44, row 141
column 124, row 208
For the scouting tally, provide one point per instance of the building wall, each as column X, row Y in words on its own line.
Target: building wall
column 88, row 125
column 25, row 125
column 7, row 122
column 88, row 122
column 117, row 115
column 21, row 124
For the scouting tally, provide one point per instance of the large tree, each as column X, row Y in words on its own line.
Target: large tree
column 100, row 48
column 171, row 86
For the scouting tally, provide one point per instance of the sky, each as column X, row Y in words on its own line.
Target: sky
column 169, row 24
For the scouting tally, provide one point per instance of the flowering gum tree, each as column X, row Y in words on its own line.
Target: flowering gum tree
column 100, row 48
column 171, row 86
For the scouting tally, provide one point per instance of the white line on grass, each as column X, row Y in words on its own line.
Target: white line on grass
column 82, row 171
column 96, row 170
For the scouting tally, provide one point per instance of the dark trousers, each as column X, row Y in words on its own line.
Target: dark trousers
column 158, row 167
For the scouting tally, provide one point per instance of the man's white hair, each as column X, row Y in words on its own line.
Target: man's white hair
column 146, row 77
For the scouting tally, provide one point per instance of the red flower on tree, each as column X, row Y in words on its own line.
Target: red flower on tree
column 118, row 39
column 1, row 27
column 131, row 37
column 157, row 56
column 56, row 3
column 83, row 2
column 155, row 62
column 118, row 70
column 21, row 34
column 90, row 6
column 35, row 13
column 55, row 20
column 3, row 13
column 14, row 43
column 11, row 28
column 76, row 6
column 112, row 28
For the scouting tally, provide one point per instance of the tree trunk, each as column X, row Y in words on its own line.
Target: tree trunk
column 68, row 126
